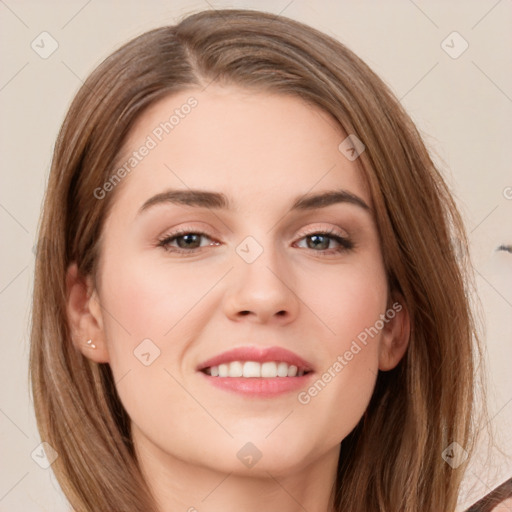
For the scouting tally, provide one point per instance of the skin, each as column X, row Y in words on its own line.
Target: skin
column 262, row 150
column 506, row 506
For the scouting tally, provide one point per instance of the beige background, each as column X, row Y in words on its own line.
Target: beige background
column 461, row 105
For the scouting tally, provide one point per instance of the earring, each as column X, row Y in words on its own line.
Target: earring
column 90, row 344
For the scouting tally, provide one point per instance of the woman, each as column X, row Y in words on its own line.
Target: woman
column 318, row 352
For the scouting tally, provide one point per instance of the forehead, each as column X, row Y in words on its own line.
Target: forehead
column 255, row 147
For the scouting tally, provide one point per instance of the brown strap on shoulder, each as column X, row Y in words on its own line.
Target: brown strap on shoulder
column 494, row 498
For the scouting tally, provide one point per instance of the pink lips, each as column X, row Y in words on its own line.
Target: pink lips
column 257, row 386
column 260, row 355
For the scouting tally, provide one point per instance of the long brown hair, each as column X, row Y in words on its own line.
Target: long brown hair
column 393, row 460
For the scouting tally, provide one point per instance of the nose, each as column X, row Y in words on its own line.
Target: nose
column 262, row 291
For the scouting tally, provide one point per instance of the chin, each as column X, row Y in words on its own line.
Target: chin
column 256, row 453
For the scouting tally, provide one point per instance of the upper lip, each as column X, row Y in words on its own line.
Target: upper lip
column 258, row 354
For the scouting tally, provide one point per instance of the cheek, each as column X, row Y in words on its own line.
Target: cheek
column 151, row 313
column 347, row 301
column 149, row 301
column 350, row 307
column 141, row 304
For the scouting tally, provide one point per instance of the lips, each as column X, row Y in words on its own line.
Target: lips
column 257, row 372
column 259, row 355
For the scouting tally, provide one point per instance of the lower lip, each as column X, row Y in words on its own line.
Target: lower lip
column 260, row 387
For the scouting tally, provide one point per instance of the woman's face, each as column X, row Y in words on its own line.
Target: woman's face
column 253, row 273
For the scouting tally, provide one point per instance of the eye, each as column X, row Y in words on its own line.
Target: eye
column 186, row 241
column 322, row 240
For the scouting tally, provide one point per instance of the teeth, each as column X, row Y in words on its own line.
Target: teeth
column 235, row 369
column 251, row 369
column 282, row 370
column 292, row 371
column 269, row 370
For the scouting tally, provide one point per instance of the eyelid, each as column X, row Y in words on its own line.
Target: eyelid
column 175, row 232
column 331, row 231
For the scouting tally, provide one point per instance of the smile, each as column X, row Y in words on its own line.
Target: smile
column 254, row 369
column 262, row 372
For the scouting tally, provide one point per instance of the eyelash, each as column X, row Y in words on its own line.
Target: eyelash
column 344, row 243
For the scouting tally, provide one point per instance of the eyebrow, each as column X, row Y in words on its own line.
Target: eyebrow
column 219, row 201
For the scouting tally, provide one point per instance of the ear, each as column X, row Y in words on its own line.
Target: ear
column 395, row 334
column 85, row 317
